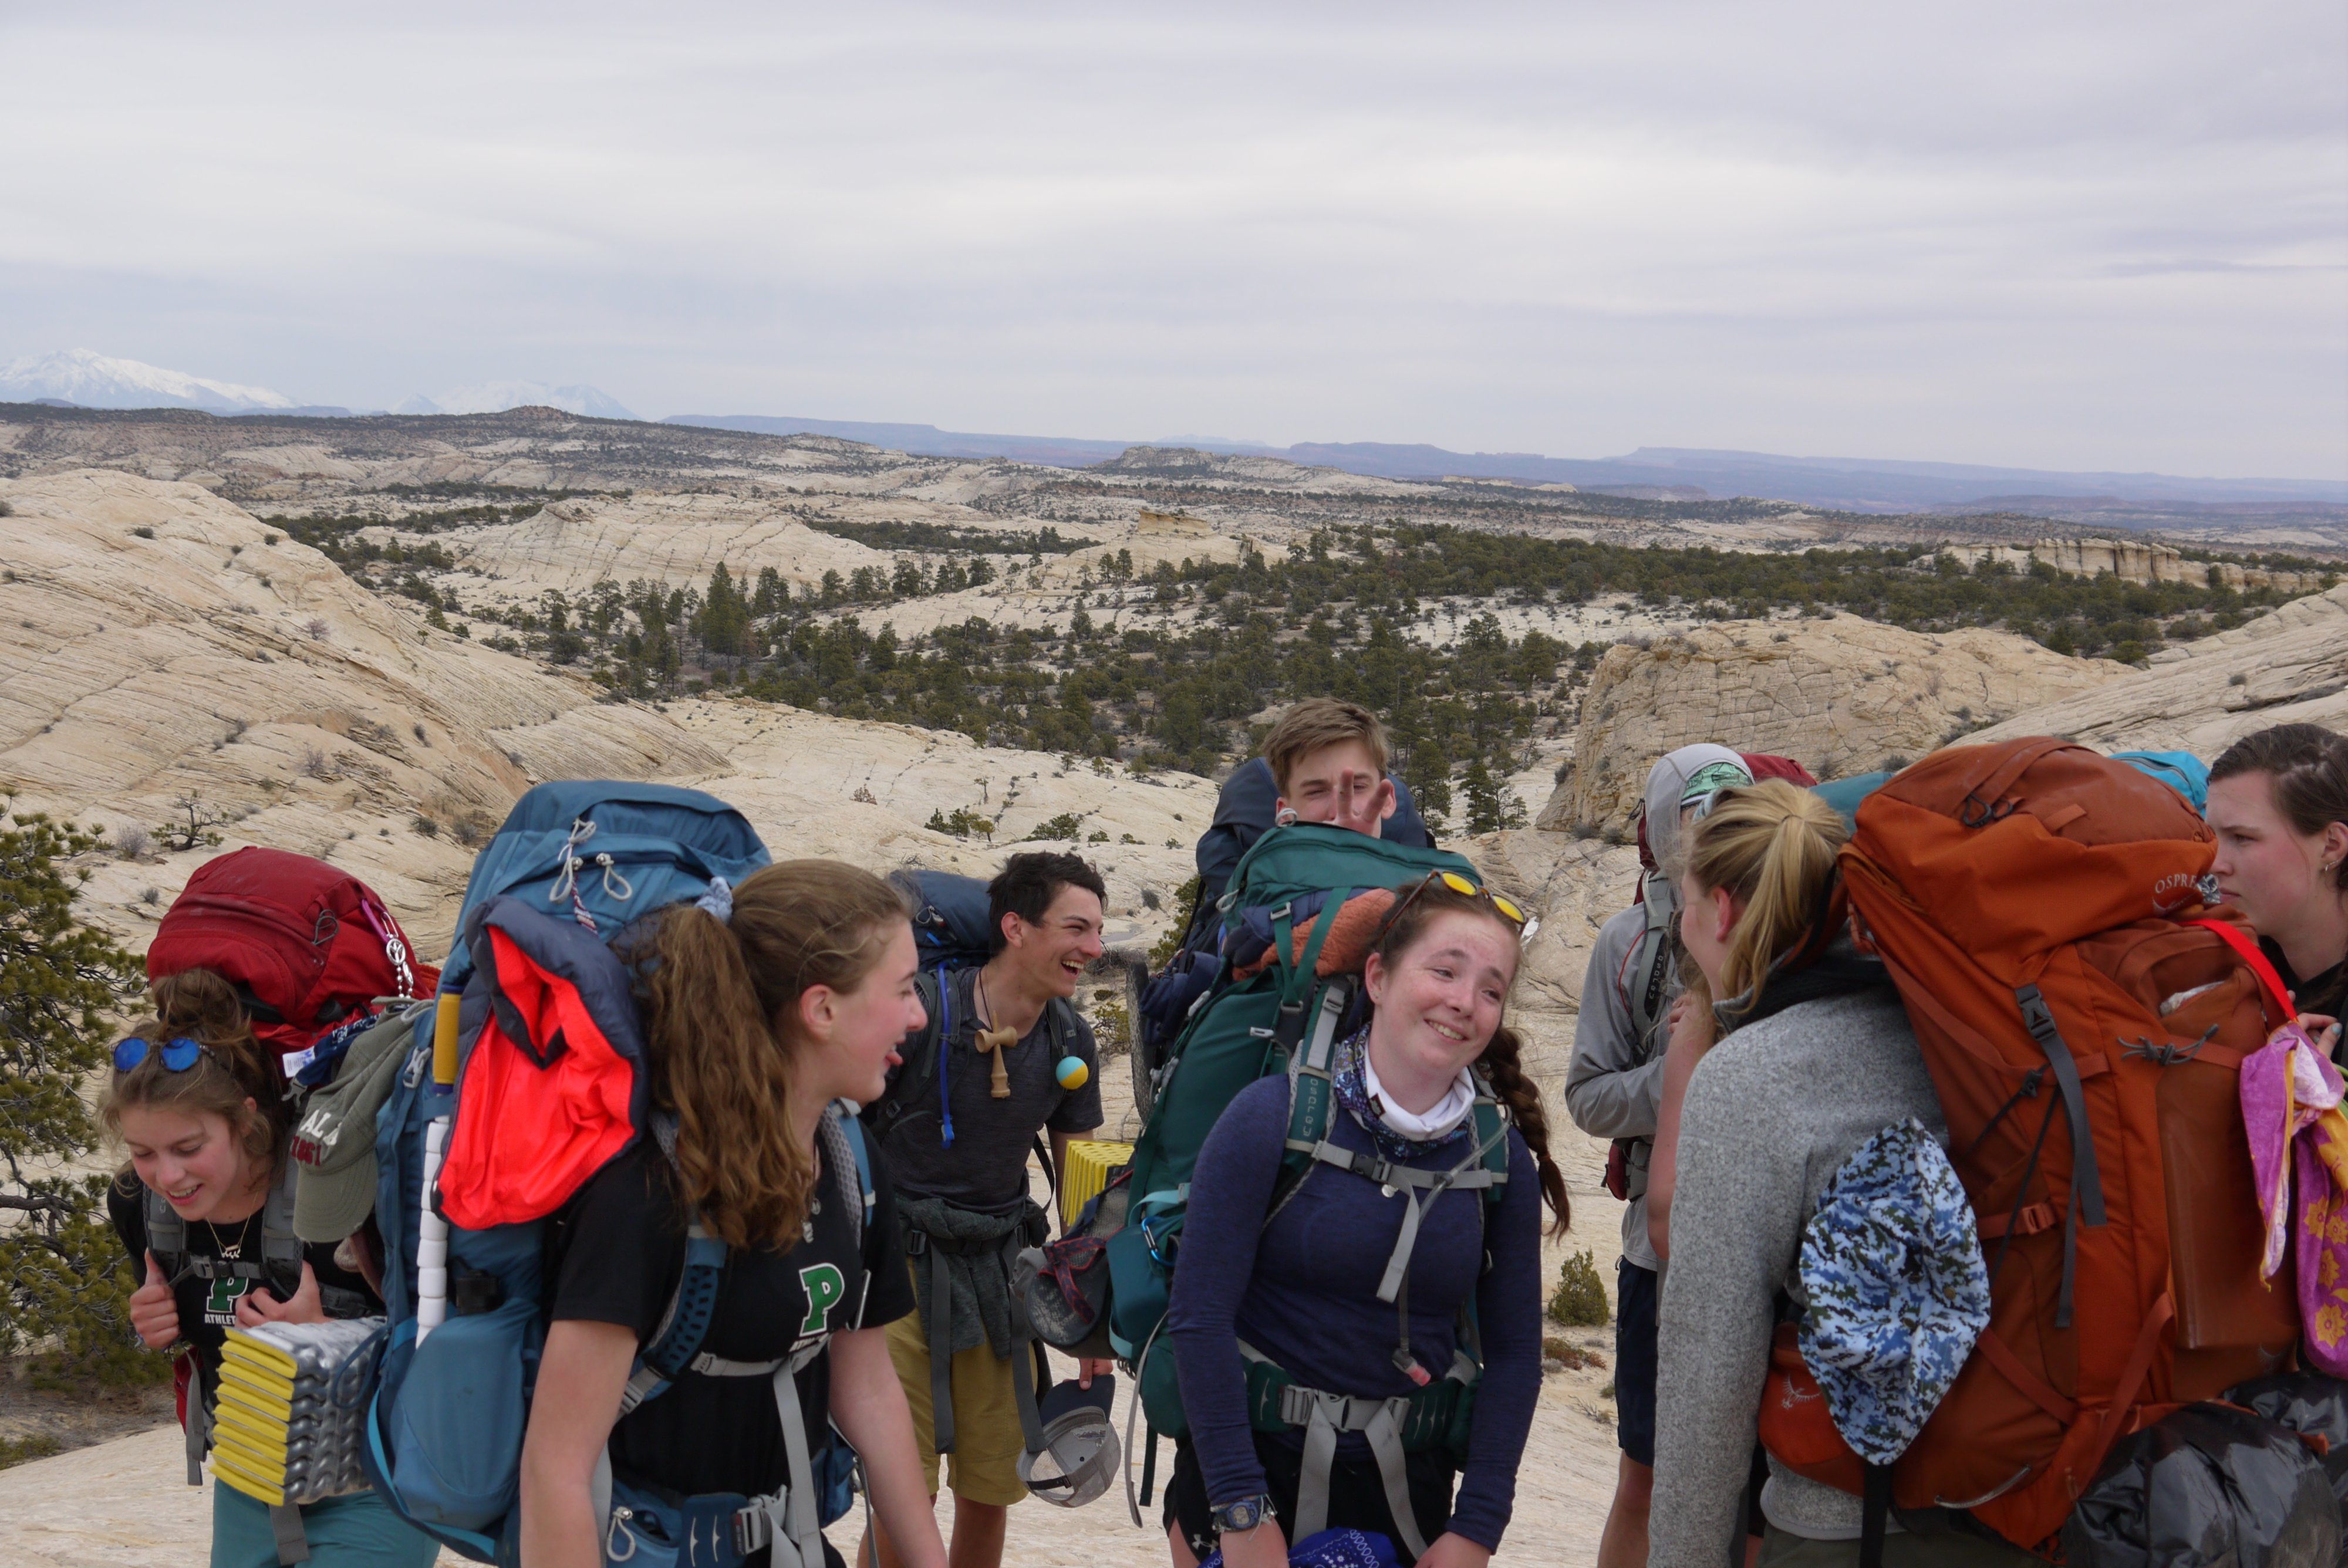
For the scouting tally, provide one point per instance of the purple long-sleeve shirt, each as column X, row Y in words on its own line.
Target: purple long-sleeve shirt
column 1304, row 1291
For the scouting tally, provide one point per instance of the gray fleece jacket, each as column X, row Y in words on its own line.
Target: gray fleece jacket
column 1614, row 1088
column 1772, row 1113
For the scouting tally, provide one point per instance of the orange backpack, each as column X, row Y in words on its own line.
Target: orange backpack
column 2035, row 903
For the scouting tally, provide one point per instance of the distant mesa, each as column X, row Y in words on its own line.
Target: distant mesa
column 498, row 396
column 84, row 378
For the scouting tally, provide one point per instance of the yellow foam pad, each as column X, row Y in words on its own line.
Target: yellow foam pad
column 1087, row 1170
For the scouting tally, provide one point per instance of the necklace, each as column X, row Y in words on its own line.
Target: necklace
column 235, row 1250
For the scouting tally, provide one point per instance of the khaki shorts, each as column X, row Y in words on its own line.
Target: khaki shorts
column 985, row 1464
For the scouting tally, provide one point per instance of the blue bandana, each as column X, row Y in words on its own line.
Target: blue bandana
column 1354, row 1093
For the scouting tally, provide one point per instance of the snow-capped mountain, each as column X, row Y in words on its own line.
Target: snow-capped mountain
column 94, row 380
column 497, row 396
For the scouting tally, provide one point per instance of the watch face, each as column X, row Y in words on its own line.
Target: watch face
column 1243, row 1516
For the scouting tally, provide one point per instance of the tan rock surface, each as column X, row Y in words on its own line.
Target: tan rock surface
column 2289, row 666
column 1839, row 695
column 206, row 662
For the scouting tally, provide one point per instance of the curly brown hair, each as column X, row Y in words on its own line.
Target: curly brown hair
column 720, row 1001
column 235, row 1078
column 1502, row 1062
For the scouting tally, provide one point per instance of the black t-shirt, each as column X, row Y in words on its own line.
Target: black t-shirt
column 2325, row 993
column 208, row 1306
column 619, row 1252
column 986, row 1168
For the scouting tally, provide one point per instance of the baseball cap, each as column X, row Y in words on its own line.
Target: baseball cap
column 1080, row 1453
column 333, row 1147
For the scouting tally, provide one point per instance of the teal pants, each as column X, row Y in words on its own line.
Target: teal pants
column 357, row 1532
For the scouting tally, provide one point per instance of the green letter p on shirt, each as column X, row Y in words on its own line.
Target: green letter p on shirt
column 824, row 1285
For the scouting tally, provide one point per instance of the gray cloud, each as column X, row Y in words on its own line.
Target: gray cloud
column 2109, row 238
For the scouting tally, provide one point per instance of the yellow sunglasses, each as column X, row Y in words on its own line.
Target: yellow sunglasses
column 1465, row 889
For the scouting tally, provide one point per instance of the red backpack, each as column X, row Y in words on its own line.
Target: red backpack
column 307, row 946
column 2039, row 907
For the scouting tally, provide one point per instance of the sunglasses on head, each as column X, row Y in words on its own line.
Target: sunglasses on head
column 179, row 1055
column 1465, row 889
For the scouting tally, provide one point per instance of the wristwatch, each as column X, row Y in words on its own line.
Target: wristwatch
column 1245, row 1515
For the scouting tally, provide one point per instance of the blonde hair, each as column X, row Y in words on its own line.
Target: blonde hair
column 202, row 1005
column 1772, row 846
column 1319, row 721
column 721, row 1005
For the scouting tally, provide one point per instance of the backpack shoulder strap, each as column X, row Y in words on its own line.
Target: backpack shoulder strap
column 280, row 1249
column 1649, row 977
column 856, row 1175
column 920, row 1053
column 691, row 1305
column 167, row 1232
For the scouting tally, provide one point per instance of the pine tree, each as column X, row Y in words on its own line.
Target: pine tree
column 65, row 1279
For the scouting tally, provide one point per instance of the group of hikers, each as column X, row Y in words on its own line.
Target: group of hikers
column 695, row 1184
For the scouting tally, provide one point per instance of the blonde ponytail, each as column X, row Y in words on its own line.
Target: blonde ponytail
column 1772, row 846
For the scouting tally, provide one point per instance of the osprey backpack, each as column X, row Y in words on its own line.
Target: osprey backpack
column 2084, row 1018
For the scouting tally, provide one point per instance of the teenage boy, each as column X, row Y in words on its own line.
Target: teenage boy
column 1614, row 1090
column 1325, row 760
column 959, row 1171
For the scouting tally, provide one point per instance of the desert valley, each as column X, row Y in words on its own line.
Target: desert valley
column 362, row 639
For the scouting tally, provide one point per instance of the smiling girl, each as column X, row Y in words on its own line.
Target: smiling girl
column 1294, row 1280
column 758, row 1014
column 199, row 1106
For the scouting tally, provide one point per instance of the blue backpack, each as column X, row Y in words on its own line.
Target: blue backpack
column 574, row 865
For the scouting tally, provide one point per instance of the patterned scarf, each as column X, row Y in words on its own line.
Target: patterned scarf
column 1354, row 1094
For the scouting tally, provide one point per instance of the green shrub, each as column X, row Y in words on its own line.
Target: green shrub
column 1580, row 1300
column 64, row 1285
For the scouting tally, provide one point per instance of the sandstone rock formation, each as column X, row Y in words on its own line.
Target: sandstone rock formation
column 1839, row 695
column 2134, row 560
column 2289, row 666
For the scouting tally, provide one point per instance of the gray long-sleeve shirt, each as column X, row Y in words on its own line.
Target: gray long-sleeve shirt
column 1771, row 1114
column 1615, row 1088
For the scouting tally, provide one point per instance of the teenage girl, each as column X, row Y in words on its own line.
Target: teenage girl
column 756, row 1018
column 198, row 1103
column 1810, row 1062
column 2279, row 802
column 1302, row 1290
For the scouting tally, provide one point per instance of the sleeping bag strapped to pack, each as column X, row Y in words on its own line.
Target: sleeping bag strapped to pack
column 1303, row 910
column 524, row 1081
column 2039, row 907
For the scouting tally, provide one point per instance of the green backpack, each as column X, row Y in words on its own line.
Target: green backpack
column 1282, row 1020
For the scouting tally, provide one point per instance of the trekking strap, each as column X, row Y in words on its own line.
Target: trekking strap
column 197, row 1428
column 2086, row 1183
column 285, row 1524
column 938, row 1330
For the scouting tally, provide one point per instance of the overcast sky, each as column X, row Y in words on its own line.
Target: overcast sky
column 2086, row 236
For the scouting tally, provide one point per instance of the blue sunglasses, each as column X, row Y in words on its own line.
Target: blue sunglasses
column 179, row 1055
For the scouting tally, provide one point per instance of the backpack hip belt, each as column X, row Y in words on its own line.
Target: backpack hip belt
column 937, row 1326
column 1426, row 1421
column 784, row 1519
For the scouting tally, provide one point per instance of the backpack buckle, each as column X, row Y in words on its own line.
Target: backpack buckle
column 1976, row 813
